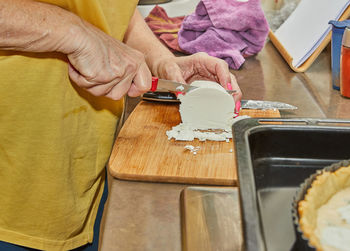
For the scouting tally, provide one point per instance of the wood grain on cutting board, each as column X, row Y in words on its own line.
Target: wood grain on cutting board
column 143, row 152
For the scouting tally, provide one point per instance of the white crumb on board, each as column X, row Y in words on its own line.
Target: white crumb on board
column 193, row 149
column 231, row 150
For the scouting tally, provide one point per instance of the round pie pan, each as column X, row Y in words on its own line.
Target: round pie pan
column 302, row 242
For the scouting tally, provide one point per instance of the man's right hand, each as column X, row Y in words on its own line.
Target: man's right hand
column 99, row 63
column 105, row 66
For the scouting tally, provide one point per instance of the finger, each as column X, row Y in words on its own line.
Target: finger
column 172, row 71
column 141, row 82
column 176, row 75
column 216, row 67
column 77, row 78
column 134, row 85
column 133, row 91
column 118, row 91
column 103, row 89
column 238, row 94
column 222, row 72
column 233, row 79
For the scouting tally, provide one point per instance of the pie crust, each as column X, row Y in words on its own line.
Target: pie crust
column 324, row 186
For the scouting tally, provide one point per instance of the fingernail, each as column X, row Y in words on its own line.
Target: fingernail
column 229, row 86
column 238, row 106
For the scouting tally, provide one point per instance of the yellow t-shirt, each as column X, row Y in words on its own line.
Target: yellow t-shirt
column 55, row 140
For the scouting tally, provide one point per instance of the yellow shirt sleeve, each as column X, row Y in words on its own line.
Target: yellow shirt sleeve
column 55, row 140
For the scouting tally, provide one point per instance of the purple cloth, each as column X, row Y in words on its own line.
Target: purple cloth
column 227, row 29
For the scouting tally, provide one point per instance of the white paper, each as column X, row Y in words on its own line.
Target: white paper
column 307, row 26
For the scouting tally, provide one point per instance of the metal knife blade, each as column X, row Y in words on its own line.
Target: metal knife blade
column 245, row 104
column 266, row 105
column 163, row 85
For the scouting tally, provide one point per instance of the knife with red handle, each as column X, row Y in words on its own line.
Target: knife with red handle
column 163, row 85
column 166, row 90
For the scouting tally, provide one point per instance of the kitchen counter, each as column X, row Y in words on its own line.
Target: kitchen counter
column 146, row 216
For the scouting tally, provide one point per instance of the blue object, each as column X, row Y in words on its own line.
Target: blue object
column 338, row 28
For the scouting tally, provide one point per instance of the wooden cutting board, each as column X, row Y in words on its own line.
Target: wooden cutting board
column 143, row 152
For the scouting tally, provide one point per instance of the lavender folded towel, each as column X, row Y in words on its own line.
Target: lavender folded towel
column 227, row 29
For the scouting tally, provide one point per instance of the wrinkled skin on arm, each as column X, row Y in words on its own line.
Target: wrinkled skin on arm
column 98, row 63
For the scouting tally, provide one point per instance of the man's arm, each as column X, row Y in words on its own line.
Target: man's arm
column 27, row 25
column 141, row 37
column 99, row 63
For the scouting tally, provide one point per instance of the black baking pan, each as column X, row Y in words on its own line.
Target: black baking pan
column 274, row 156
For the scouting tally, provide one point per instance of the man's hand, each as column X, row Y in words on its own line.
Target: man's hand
column 107, row 67
column 199, row 66
column 99, row 63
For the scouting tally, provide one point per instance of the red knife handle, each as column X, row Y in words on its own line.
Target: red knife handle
column 154, row 84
